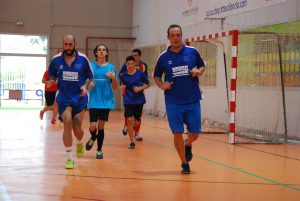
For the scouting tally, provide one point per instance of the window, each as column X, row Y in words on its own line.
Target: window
column 23, row 60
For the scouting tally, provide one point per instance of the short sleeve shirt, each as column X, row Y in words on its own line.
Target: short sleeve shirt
column 70, row 78
column 176, row 69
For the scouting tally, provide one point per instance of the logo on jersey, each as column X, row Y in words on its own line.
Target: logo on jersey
column 170, row 62
column 77, row 66
column 61, row 67
column 180, row 71
column 70, row 76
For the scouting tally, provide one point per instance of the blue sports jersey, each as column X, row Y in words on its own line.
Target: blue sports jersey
column 135, row 80
column 176, row 67
column 70, row 78
column 142, row 67
column 101, row 96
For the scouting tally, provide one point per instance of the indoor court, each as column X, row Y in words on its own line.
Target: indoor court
column 32, row 161
column 249, row 92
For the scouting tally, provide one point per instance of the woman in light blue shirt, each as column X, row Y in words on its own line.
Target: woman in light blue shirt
column 101, row 98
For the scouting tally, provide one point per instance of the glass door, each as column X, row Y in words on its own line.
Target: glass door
column 23, row 60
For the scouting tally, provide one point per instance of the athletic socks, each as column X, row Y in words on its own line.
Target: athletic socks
column 93, row 135
column 100, row 139
column 69, row 153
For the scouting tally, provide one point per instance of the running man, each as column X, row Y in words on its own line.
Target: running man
column 133, row 82
column 51, row 104
column 142, row 66
column 74, row 73
column 181, row 66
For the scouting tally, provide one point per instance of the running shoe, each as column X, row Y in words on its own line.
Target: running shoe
column 188, row 153
column 54, row 121
column 41, row 114
column 131, row 145
column 99, row 155
column 60, row 118
column 79, row 150
column 138, row 137
column 185, row 168
column 124, row 131
column 69, row 164
column 89, row 144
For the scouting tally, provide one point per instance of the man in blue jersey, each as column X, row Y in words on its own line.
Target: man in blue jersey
column 134, row 82
column 73, row 71
column 181, row 66
column 142, row 66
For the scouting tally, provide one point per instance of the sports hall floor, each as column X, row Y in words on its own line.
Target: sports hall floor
column 32, row 159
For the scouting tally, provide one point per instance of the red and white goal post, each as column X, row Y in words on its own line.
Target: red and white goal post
column 240, row 109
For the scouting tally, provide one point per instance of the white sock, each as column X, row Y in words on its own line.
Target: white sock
column 69, row 153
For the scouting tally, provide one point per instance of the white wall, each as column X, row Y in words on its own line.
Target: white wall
column 152, row 18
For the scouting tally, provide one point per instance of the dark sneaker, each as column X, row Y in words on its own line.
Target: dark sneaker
column 60, row 118
column 124, row 131
column 131, row 145
column 138, row 137
column 188, row 153
column 185, row 168
column 99, row 155
column 89, row 144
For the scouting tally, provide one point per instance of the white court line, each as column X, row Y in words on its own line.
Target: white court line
column 4, row 196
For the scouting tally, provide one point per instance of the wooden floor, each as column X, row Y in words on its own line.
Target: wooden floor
column 32, row 158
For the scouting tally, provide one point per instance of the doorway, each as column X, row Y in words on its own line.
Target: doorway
column 23, row 60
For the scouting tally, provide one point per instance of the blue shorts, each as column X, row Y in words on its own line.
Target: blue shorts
column 188, row 114
column 76, row 108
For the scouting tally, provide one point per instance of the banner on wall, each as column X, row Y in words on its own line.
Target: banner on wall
column 230, row 7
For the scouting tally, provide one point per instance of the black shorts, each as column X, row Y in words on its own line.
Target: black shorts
column 50, row 98
column 134, row 111
column 98, row 114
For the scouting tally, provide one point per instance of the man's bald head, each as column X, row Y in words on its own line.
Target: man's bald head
column 69, row 44
column 69, row 37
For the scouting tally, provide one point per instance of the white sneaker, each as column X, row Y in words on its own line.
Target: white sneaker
column 138, row 137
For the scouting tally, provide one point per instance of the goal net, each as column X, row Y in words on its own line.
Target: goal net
column 243, row 86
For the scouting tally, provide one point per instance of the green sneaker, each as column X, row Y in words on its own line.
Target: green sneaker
column 79, row 150
column 69, row 164
column 99, row 155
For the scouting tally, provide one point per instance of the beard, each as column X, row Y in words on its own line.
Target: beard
column 69, row 52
